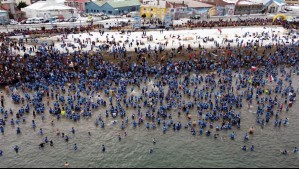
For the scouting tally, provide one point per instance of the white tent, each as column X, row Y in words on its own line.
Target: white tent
column 48, row 8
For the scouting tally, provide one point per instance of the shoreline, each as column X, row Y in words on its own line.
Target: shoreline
column 194, row 38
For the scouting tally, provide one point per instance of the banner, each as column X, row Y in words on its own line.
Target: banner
column 220, row 11
column 229, row 9
column 137, row 22
column 168, row 21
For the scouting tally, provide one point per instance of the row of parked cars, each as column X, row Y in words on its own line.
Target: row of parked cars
column 42, row 20
column 39, row 20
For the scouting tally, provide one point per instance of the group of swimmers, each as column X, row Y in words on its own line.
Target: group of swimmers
column 154, row 96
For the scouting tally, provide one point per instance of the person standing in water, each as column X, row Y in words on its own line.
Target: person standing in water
column 51, row 143
column 16, row 149
column 75, row 147
column 2, row 101
column 73, row 130
column 57, row 132
column 66, row 165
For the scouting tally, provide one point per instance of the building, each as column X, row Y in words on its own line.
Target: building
column 274, row 6
column 112, row 7
column 292, row 1
column 259, row 6
column 249, row 7
column 221, row 7
column 49, row 8
column 254, row 6
column 216, row 3
column 154, row 9
column 3, row 17
column 11, row 7
column 186, row 8
column 194, row 7
column 177, row 10
column 78, row 4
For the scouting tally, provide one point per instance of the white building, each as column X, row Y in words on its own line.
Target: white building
column 49, row 8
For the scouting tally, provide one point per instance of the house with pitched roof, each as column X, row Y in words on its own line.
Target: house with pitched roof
column 154, row 9
column 78, row 4
column 274, row 6
column 258, row 6
column 221, row 7
column 112, row 7
column 249, row 7
column 11, row 7
column 49, row 8
column 187, row 8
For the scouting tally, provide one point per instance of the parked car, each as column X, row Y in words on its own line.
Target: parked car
column 13, row 22
column 46, row 21
column 53, row 19
column 98, row 14
column 72, row 20
column 23, row 21
column 111, row 24
column 115, row 16
column 105, row 17
column 39, row 20
column 84, row 15
column 89, row 20
column 195, row 17
column 30, row 21
column 131, row 14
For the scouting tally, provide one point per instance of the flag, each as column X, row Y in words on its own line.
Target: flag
column 253, row 68
column 271, row 78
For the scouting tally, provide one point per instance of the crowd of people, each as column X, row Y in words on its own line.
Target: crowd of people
column 229, row 23
column 188, row 25
column 209, row 91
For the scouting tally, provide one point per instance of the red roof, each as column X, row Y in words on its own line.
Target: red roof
column 175, row 5
column 6, row 7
